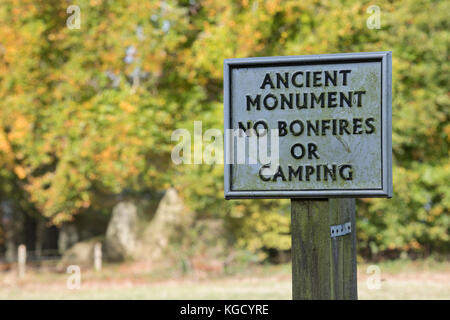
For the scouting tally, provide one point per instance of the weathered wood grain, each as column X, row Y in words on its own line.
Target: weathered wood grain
column 323, row 267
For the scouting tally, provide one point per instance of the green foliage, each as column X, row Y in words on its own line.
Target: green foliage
column 81, row 117
column 417, row 217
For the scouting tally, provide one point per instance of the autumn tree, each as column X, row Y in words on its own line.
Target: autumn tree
column 90, row 111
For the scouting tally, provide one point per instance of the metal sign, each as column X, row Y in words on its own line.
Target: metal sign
column 308, row 126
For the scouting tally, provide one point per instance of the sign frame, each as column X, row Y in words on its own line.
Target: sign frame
column 384, row 57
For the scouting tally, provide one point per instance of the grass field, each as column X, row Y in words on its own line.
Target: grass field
column 398, row 280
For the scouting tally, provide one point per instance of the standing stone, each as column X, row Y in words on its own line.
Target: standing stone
column 120, row 241
column 170, row 219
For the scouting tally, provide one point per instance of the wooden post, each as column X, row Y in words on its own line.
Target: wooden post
column 323, row 266
column 22, row 260
column 98, row 256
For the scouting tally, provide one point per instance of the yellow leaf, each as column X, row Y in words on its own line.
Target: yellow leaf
column 20, row 172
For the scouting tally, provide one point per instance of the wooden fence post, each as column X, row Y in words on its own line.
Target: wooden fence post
column 98, row 256
column 323, row 249
column 22, row 260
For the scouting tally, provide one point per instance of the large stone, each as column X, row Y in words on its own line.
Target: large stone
column 170, row 220
column 120, row 241
column 80, row 254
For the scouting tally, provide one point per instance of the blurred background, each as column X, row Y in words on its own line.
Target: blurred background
column 91, row 205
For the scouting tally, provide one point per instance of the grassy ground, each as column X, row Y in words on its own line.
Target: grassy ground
column 398, row 280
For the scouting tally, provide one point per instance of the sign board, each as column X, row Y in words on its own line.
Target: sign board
column 308, row 126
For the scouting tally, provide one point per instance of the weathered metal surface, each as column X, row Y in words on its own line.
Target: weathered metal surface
column 340, row 230
column 335, row 114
